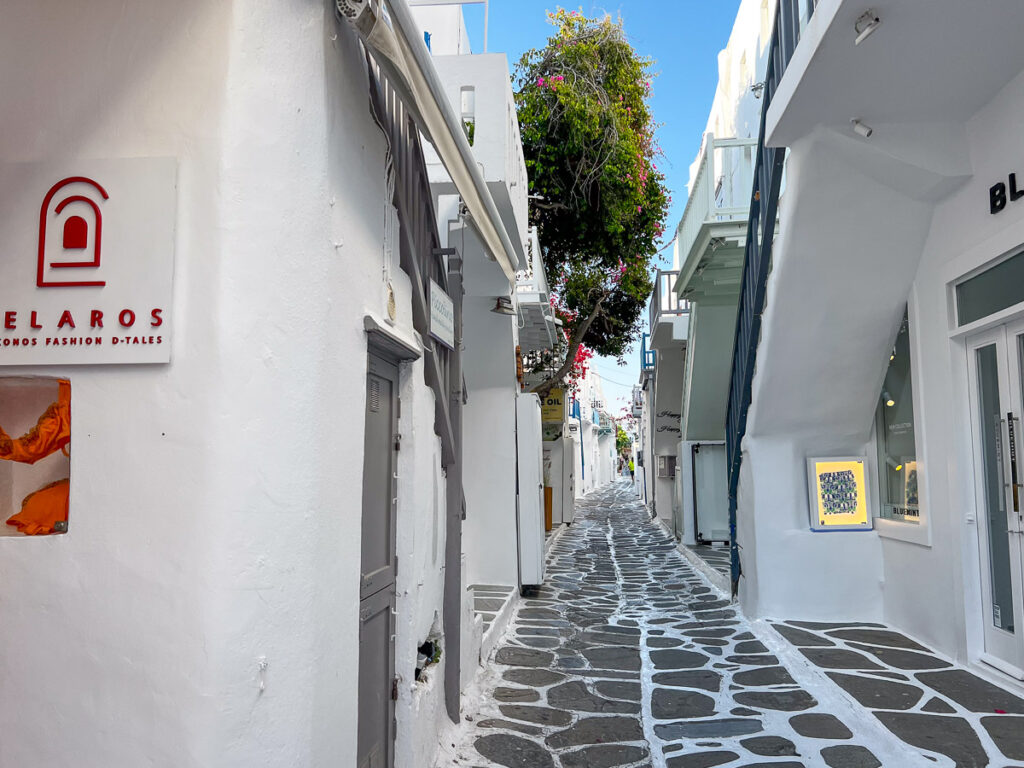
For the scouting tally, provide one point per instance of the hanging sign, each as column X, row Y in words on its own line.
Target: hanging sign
column 553, row 406
column 442, row 315
column 838, row 494
column 87, row 253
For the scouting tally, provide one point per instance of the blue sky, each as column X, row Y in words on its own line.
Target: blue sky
column 684, row 38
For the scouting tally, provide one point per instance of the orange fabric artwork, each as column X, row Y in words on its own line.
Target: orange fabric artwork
column 50, row 434
column 42, row 509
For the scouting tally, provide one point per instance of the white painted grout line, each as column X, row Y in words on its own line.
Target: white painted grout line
column 887, row 747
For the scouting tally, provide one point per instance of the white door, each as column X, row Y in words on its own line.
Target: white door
column 712, row 491
column 531, row 490
column 995, row 366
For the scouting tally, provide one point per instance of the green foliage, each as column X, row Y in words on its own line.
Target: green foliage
column 622, row 441
column 588, row 138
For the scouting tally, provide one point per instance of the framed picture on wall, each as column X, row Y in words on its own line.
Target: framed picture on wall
column 838, row 493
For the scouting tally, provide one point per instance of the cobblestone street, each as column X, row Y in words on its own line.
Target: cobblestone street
column 627, row 657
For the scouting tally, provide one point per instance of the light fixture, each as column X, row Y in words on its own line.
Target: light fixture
column 866, row 23
column 892, row 356
column 757, row 89
column 862, row 130
column 503, row 306
column 888, row 399
column 893, row 463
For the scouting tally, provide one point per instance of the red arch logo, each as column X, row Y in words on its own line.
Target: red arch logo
column 75, row 233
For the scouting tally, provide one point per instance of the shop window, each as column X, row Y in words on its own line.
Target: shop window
column 667, row 466
column 35, row 465
column 898, row 468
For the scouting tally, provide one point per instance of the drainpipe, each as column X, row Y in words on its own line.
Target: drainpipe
column 399, row 49
column 454, row 510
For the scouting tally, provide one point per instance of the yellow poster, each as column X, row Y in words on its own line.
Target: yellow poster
column 839, row 488
column 553, row 406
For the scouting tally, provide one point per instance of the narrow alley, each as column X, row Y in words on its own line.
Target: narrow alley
column 628, row 657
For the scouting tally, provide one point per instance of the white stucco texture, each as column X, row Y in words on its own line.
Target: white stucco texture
column 216, row 512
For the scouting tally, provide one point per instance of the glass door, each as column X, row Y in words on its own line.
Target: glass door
column 995, row 364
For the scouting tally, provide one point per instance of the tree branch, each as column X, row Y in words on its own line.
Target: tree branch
column 545, row 387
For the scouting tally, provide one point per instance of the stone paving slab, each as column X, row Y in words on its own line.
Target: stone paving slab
column 933, row 707
column 644, row 665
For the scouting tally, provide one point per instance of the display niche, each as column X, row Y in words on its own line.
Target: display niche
column 898, row 468
column 35, row 450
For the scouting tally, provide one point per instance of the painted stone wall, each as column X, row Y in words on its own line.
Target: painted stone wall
column 216, row 500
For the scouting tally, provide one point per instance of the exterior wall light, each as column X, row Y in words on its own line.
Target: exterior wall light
column 866, row 23
column 888, row 399
column 503, row 306
column 862, row 130
column 893, row 463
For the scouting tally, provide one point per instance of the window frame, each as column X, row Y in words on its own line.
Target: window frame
column 921, row 532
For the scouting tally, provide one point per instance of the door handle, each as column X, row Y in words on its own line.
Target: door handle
column 1015, row 485
column 1015, row 475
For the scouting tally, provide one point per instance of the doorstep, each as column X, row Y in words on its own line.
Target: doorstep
column 713, row 562
column 493, row 604
column 550, row 537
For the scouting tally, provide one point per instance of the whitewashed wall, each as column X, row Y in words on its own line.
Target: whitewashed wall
column 963, row 235
column 216, row 501
column 853, row 300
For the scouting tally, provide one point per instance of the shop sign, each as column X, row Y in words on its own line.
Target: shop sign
column 838, row 494
column 442, row 315
column 998, row 194
column 88, row 261
column 553, row 406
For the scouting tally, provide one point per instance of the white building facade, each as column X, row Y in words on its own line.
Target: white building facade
column 891, row 336
column 256, row 565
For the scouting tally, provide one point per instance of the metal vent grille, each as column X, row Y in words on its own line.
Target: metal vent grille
column 350, row 8
column 373, row 400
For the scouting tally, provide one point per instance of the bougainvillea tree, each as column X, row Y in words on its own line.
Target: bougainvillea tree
column 599, row 200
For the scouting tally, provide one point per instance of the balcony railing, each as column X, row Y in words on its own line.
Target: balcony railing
column 720, row 190
column 664, row 300
column 533, row 279
column 646, row 355
column 790, row 18
column 638, row 403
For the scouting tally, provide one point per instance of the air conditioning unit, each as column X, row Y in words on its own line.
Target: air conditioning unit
column 667, row 466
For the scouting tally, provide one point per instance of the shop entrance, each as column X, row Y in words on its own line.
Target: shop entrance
column 996, row 369
column 377, row 586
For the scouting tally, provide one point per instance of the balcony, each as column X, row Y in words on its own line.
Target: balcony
column 533, row 297
column 479, row 88
column 713, row 230
column 907, row 79
column 647, row 356
column 668, row 316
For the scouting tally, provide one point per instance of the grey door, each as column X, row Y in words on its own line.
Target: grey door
column 377, row 571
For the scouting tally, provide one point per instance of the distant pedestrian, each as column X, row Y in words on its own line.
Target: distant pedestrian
column 631, row 475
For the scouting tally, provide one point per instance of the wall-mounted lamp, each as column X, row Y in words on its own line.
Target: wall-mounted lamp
column 866, row 23
column 503, row 306
column 757, row 89
column 888, row 399
column 893, row 463
column 862, row 130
